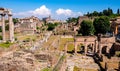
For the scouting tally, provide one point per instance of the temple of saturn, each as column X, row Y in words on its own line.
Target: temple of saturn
column 3, row 13
column 96, row 44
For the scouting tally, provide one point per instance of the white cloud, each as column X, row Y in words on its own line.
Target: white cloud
column 66, row 12
column 42, row 11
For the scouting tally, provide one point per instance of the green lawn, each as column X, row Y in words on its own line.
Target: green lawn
column 70, row 47
column 5, row 45
column 46, row 69
column 22, row 37
column 63, row 41
column 81, row 69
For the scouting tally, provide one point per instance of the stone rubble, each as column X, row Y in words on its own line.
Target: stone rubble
column 23, row 61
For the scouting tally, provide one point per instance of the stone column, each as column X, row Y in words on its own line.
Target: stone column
column 100, row 49
column 93, row 48
column 107, row 49
column 3, row 27
column 75, row 47
column 65, row 45
column 85, row 47
column 116, row 30
column 11, row 28
column 96, row 46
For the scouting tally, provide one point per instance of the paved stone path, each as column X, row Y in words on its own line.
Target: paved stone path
column 84, row 62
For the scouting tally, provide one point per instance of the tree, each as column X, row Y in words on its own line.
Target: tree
column 105, row 12
column 100, row 14
column 102, row 25
column 51, row 26
column 108, row 12
column 87, row 28
column 118, row 11
column 0, row 28
column 15, row 20
column 72, row 20
column 95, row 13
column 0, row 37
column 7, row 27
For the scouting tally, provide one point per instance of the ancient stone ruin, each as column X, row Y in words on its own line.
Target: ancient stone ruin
column 3, row 13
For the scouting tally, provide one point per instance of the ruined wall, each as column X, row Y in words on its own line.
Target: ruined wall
column 116, row 46
column 108, row 39
column 87, row 38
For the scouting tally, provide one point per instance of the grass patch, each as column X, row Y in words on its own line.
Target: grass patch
column 76, row 68
column 63, row 41
column 32, row 37
column 81, row 69
column 70, row 47
column 5, row 45
column 49, row 42
column 46, row 69
column 117, row 53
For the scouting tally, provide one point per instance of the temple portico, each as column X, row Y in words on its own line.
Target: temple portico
column 3, row 13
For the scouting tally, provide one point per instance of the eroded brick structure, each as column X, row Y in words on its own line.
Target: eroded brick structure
column 96, row 45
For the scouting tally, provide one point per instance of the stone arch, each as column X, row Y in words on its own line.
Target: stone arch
column 81, row 48
column 91, row 46
column 66, row 47
column 86, row 40
column 70, row 47
column 104, row 50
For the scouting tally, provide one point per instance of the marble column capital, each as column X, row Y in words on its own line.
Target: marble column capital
column 3, row 14
column 9, row 14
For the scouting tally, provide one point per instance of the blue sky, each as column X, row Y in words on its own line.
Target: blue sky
column 58, row 9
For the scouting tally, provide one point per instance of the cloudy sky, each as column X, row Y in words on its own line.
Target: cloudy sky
column 58, row 9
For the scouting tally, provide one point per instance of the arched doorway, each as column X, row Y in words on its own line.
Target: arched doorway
column 70, row 48
column 104, row 49
column 81, row 48
column 89, row 48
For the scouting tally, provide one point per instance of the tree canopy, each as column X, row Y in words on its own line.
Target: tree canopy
column 51, row 26
column 118, row 11
column 102, row 25
column 15, row 20
column 72, row 20
column 106, row 12
column 86, row 28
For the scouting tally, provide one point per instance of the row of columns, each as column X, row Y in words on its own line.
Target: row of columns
column 11, row 27
column 96, row 47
